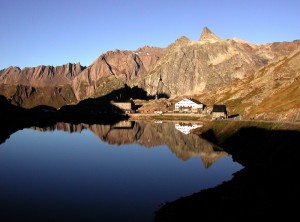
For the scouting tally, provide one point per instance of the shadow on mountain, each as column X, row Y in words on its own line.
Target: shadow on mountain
column 98, row 110
column 137, row 93
column 103, row 105
column 266, row 188
column 91, row 111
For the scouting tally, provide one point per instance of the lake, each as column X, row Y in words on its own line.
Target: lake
column 93, row 172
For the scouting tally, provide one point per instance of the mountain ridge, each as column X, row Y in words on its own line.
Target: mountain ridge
column 185, row 67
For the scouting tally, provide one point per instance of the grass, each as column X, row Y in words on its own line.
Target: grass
column 175, row 117
column 283, row 100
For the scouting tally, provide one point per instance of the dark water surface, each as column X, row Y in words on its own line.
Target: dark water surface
column 104, row 173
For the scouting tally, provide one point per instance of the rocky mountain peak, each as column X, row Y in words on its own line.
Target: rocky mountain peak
column 180, row 42
column 183, row 40
column 208, row 35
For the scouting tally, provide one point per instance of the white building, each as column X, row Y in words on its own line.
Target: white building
column 189, row 105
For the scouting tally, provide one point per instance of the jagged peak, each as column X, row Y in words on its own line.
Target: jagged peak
column 208, row 35
column 182, row 40
column 14, row 68
column 146, row 47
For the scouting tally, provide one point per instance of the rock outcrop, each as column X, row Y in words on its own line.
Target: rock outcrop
column 114, row 69
column 208, row 35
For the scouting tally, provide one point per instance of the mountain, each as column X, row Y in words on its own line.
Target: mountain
column 214, row 69
column 40, row 76
column 71, row 83
column 114, row 69
column 191, row 67
column 41, row 85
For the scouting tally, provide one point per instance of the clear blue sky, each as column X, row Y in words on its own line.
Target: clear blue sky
column 55, row 32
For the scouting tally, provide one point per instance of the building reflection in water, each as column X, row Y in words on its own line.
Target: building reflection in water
column 187, row 127
column 104, row 172
column 179, row 139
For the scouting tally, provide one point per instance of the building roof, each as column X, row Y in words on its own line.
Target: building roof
column 191, row 99
column 219, row 108
column 195, row 101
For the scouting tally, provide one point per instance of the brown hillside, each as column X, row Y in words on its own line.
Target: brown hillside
column 271, row 93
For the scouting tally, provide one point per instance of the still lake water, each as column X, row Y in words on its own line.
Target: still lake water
column 104, row 173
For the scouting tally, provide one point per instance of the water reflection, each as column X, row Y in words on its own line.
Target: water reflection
column 270, row 154
column 187, row 127
column 183, row 145
column 98, row 172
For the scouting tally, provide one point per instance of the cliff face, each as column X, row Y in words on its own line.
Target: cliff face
column 190, row 67
column 113, row 70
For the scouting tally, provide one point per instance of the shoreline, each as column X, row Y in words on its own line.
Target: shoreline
column 187, row 117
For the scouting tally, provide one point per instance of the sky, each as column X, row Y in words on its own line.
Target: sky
column 57, row 32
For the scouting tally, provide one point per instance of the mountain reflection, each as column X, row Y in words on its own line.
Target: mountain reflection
column 183, row 145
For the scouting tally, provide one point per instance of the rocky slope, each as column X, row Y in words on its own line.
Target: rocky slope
column 271, row 93
column 191, row 67
column 29, row 97
column 115, row 69
column 71, row 83
column 41, row 85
